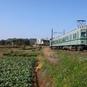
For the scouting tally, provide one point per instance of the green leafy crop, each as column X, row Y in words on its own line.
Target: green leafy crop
column 17, row 71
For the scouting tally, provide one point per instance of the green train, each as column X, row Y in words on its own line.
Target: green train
column 76, row 39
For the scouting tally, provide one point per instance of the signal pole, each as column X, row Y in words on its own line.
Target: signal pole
column 51, row 38
column 52, row 34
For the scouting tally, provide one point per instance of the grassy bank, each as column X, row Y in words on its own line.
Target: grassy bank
column 70, row 71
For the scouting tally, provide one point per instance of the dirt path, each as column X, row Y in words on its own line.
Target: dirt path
column 44, row 79
column 50, row 55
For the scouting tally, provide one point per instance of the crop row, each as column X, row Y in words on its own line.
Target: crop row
column 17, row 71
column 20, row 54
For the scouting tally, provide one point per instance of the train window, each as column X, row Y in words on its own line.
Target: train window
column 83, row 34
column 70, row 37
column 74, row 36
column 77, row 35
column 67, row 38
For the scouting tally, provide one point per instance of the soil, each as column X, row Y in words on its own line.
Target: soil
column 45, row 80
column 50, row 55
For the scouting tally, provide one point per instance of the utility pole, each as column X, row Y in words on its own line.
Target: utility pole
column 51, row 37
column 52, row 34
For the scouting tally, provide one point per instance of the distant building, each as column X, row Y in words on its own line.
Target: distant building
column 43, row 42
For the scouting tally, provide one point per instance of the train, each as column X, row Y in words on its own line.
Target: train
column 76, row 39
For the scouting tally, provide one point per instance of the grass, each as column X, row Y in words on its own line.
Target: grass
column 70, row 71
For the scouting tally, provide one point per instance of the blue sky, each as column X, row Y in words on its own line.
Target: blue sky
column 36, row 18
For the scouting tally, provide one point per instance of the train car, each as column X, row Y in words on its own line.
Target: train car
column 76, row 39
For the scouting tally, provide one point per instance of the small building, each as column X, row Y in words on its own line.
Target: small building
column 43, row 42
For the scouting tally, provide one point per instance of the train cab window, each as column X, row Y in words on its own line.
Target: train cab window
column 83, row 34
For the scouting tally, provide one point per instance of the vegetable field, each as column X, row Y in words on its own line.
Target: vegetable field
column 17, row 71
column 43, row 68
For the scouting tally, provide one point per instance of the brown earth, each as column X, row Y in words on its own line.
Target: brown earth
column 50, row 55
column 45, row 80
